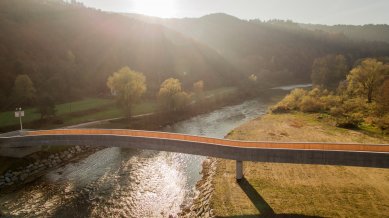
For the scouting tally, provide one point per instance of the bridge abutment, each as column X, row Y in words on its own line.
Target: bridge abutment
column 239, row 170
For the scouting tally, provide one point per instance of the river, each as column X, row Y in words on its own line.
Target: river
column 117, row 182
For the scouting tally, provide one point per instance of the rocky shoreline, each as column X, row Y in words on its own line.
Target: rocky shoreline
column 200, row 206
column 36, row 169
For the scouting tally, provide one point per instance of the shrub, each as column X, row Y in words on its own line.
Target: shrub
column 330, row 101
column 290, row 102
column 337, row 111
column 310, row 104
column 349, row 121
column 280, row 109
column 383, row 123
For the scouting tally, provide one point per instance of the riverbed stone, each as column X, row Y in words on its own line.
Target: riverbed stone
column 7, row 179
column 23, row 176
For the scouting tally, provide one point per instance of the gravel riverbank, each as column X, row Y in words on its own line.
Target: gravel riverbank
column 204, row 189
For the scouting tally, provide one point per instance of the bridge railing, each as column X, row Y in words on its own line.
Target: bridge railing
column 223, row 142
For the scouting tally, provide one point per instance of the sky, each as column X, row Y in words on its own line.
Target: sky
column 356, row 12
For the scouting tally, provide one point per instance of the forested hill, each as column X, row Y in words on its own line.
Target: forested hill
column 277, row 51
column 69, row 51
column 368, row 32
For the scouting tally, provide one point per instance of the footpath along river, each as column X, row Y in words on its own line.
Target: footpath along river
column 116, row 182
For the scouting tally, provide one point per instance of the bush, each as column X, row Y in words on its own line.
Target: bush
column 290, row 102
column 310, row 104
column 330, row 101
column 350, row 120
column 337, row 111
column 383, row 123
column 280, row 109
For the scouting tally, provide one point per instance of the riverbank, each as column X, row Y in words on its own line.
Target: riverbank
column 200, row 206
column 36, row 165
column 156, row 121
column 273, row 189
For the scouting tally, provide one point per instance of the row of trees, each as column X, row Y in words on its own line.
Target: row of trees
column 362, row 97
column 128, row 86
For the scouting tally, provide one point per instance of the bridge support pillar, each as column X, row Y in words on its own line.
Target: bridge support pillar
column 239, row 170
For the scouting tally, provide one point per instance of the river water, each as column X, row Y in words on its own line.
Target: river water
column 117, row 182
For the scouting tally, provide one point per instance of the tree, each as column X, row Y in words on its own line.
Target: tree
column 365, row 78
column 383, row 98
column 328, row 71
column 171, row 96
column 24, row 92
column 46, row 106
column 128, row 86
column 198, row 87
column 253, row 78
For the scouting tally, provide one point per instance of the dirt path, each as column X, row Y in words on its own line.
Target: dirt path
column 88, row 124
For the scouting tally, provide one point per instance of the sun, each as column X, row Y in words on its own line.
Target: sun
column 157, row 8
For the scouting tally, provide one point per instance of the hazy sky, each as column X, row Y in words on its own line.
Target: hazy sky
column 305, row 11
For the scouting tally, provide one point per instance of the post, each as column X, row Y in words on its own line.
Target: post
column 19, row 113
column 20, row 120
column 239, row 170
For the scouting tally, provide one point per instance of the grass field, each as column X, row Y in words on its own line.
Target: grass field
column 296, row 190
column 79, row 111
column 31, row 114
column 92, row 109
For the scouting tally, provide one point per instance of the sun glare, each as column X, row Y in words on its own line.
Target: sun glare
column 157, row 8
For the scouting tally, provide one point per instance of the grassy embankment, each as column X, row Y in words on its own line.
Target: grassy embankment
column 297, row 190
column 90, row 109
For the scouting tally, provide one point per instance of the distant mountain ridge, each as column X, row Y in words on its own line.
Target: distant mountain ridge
column 273, row 50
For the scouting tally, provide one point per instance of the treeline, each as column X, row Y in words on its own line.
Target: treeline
column 361, row 97
column 369, row 32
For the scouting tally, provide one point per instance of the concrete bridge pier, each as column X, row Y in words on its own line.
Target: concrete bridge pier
column 239, row 170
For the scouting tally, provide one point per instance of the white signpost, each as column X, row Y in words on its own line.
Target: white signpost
column 19, row 113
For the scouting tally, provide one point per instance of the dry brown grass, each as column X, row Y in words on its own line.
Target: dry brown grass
column 295, row 189
column 299, row 127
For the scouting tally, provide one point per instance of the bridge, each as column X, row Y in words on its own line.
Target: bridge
column 363, row 155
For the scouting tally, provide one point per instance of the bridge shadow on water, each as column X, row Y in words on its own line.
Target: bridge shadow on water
column 262, row 206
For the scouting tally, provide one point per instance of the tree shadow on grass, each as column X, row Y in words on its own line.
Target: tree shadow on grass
column 262, row 206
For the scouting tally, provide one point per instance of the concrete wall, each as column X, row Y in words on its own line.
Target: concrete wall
column 278, row 155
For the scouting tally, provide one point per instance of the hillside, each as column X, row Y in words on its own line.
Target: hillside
column 69, row 50
column 275, row 51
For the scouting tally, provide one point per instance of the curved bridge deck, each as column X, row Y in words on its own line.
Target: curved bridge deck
column 306, row 153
